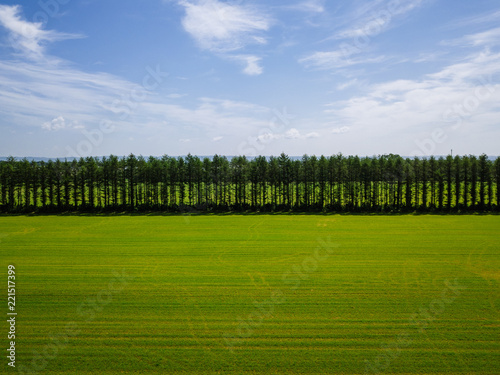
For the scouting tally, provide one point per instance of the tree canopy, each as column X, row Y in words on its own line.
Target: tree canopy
column 386, row 183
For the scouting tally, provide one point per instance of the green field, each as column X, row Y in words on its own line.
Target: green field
column 254, row 294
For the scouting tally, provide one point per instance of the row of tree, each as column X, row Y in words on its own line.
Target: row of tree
column 190, row 184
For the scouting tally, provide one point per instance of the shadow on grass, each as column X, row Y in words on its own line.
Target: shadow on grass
column 193, row 213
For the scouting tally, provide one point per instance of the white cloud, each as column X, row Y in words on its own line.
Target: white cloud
column 268, row 137
column 224, row 27
column 487, row 38
column 213, row 117
column 292, row 134
column 375, row 17
column 60, row 123
column 308, row 6
column 476, row 19
column 461, row 97
column 252, row 64
column 476, row 65
column 176, row 96
column 342, row 130
column 56, row 90
column 336, row 59
column 312, row 135
column 253, row 68
column 56, row 124
column 346, row 85
column 425, row 57
column 324, row 59
column 217, row 139
column 28, row 37
column 369, row 20
column 233, row 106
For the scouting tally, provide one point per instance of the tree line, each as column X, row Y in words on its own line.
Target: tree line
column 385, row 183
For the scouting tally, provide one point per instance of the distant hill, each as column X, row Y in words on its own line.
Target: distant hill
column 229, row 157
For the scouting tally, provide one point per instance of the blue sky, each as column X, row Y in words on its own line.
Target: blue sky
column 250, row 77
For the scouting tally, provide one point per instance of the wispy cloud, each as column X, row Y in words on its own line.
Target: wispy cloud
column 59, row 123
column 220, row 117
column 57, row 90
column 308, row 6
column 405, row 109
column 224, row 27
column 290, row 134
column 476, row 65
column 336, row 59
column 176, row 96
column 375, row 17
column 342, row 130
column 479, row 19
column 324, row 59
column 61, row 96
column 365, row 22
column 26, row 37
column 425, row 57
column 251, row 63
column 348, row 84
column 64, row 99
column 486, row 38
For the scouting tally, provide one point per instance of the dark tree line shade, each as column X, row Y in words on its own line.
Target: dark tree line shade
column 338, row 183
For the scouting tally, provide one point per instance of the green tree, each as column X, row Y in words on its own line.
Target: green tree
column 497, row 181
column 473, row 181
column 457, row 167
column 131, row 177
column 484, row 177
column 449, row 181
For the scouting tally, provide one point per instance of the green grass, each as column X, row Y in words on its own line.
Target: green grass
column 193, row 280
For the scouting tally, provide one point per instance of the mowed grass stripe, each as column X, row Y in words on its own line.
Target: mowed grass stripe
column 196, row 279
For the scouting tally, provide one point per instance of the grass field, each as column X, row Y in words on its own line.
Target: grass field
column 262, row 294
